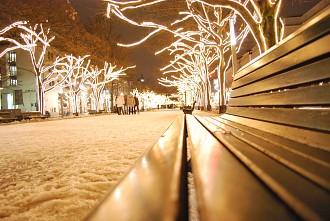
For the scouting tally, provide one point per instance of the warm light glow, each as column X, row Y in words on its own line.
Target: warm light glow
column 232, row 32
column 196, row 53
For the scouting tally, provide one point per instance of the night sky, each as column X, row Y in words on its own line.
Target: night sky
column 147, row 63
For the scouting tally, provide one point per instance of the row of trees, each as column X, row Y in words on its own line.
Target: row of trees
column 207, row 35
column 68, row 71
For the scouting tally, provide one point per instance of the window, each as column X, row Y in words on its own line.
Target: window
column 12, row 56
column 50, row 55
column 12, row 70
column 13, row 81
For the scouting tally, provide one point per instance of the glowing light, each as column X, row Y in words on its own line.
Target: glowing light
column 232, row 32
column 98, row 78
column 194, row 62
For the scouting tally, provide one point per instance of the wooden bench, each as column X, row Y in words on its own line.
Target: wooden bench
column 91, row 112
column 156, row 186
column 189, row 109
column 34, row 115
column 8, row 115
column 267, row 158
column 5, row 117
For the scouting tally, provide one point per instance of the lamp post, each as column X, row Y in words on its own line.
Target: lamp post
column 142, row 81
column 61, row 97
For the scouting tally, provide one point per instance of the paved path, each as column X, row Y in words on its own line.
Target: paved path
column 59, row 169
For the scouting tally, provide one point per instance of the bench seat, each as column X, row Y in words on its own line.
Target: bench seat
column 189, row 109
column 156, row 186
column 255, row 165
column 33, row 115
column 268, row 156
column 7, row 119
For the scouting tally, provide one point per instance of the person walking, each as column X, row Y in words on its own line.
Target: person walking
column 119, row 104
column 130, row 103
column 136, row 105
column 125, row 106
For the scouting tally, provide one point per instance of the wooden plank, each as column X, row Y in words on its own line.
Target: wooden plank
column 305, row 96
column 285, row 183
column 315, row 119
column 306, row 53
column 315, row 72
column 153, row 188
column 312, row 138
column 311, row 164
column 315, row 28
column 225, row 188
column 7, row 119
column 315, row 154
column 30, row 117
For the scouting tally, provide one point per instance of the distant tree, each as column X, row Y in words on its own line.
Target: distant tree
column 62, row 19
column 211, row 16
column 98, row 78
column 76, row 72
column 35, row 41
column 11, row 43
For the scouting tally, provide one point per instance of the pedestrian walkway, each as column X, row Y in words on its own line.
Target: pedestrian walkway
column 59, row 169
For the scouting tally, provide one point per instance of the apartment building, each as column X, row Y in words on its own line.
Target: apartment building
column 18, row 87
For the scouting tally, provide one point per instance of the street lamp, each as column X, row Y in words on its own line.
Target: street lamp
column 141, row 79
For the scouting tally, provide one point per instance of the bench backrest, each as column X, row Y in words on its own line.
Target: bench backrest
column 290, row 84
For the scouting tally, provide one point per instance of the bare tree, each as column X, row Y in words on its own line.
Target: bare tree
column 74, row 73
column 98, row 78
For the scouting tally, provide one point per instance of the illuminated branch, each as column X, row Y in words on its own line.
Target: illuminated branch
column 37, row 54
column 71, row 72
column 32, row 38
column 98, row 78
column 212, row 40
column 13, row 43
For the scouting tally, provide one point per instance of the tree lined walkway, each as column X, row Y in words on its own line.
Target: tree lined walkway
column 59, row 169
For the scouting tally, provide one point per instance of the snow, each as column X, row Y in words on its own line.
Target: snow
column 59, row 169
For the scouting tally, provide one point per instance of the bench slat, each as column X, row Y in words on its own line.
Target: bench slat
column 306, row 96
column 312, row 138
column 310, row 205
column 153, row 188
column 314, row 49
column 222, row 182
column 316, row 168
column 315, row 72
column 315, row 28
column 307, row 118
column 314, row 153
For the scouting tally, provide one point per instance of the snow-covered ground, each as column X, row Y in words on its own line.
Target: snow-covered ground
column 59, row 169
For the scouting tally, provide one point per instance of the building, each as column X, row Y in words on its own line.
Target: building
column 18, row 82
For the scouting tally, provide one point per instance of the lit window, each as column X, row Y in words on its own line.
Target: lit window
column 13, row 81
column 12, row 70
column 12, row 56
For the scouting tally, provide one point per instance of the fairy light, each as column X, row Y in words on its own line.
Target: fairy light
column 279, row 2
column 76, row 72
column 232, row 32
column 186, row 62
column 32, row 37
column 107, row 74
